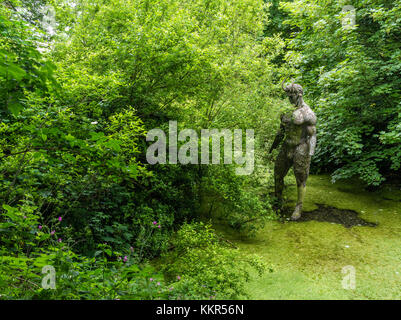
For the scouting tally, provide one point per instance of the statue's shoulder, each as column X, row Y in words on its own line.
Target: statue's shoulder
column 298, row 116
column 309, row 115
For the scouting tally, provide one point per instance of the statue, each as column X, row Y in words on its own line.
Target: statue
column 298, row 129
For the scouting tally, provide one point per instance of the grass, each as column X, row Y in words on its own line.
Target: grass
column 307, row 257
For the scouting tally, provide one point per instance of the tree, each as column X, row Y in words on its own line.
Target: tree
column 22, row 66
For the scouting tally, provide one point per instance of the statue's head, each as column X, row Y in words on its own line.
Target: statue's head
column 294, row 92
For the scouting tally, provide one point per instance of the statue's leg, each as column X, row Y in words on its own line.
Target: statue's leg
column 301, row 170
column 281, row 167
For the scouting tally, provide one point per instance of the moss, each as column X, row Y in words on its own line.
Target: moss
column 307, row 257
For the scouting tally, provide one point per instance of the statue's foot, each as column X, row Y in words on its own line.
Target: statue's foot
column 297, row 212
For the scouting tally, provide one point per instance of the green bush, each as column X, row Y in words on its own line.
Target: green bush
column 108, row 274
column 73, row 146
column 206, row 267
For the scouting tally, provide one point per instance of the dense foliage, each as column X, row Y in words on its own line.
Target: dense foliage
column 74, row 176
column 213, row 268
column 23, row 69
column 352, row 77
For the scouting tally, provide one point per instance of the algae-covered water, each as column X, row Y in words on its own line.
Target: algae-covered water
column 307, row 258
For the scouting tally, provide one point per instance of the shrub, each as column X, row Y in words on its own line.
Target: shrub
column 206, row 267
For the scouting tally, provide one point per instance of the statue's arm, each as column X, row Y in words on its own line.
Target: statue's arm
column 279, row 137
column 311, row 139
column 310, row 119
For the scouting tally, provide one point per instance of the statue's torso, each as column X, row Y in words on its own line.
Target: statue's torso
column 295, row 125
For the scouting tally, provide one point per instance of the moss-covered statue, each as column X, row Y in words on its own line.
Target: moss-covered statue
column 298, row 130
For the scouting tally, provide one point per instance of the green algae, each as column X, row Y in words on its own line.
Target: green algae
column 307, row 258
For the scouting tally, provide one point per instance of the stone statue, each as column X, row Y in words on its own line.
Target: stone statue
column 298, row 129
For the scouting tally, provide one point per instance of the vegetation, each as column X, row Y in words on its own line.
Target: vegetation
column 83, row 82
column 352, row 74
